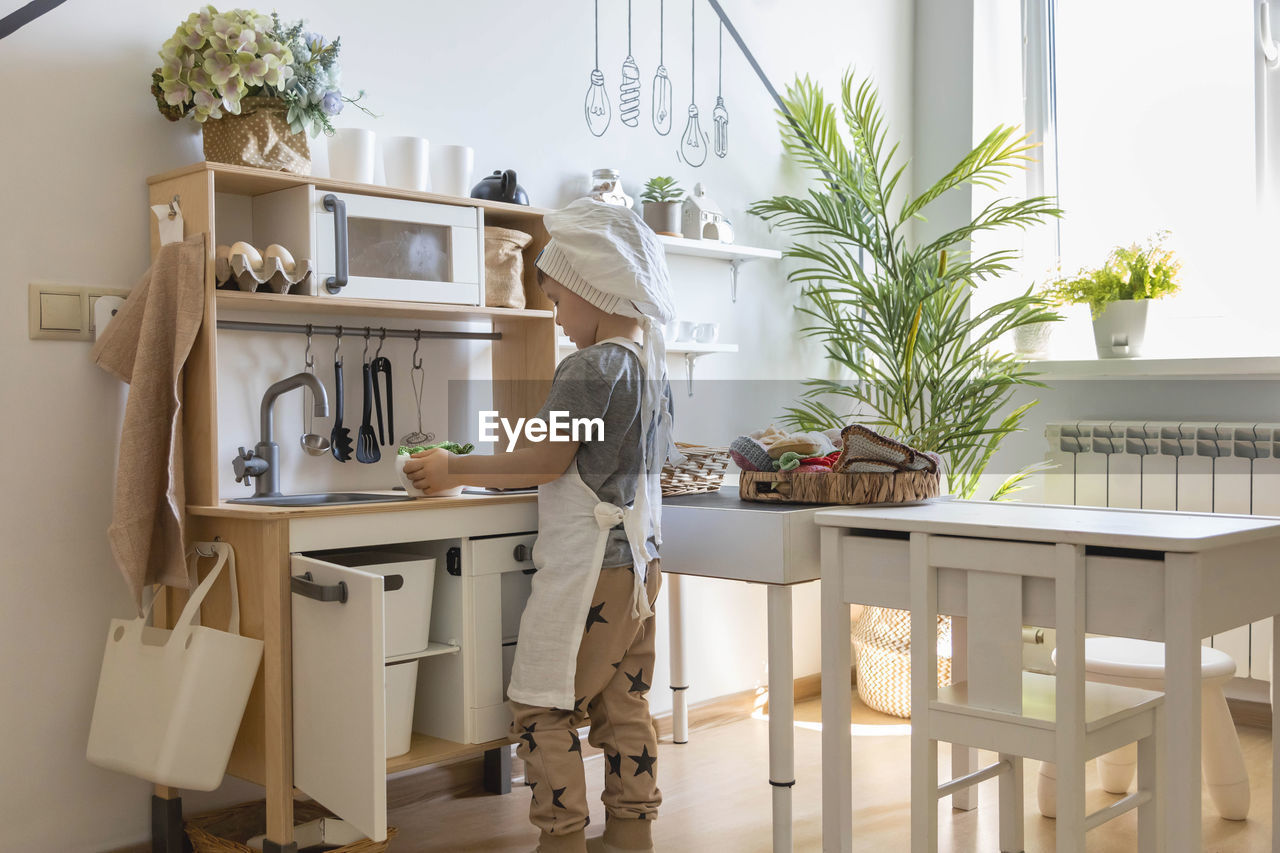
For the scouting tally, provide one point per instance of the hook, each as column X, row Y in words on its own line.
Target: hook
column 382, row 336
column 310, row 359
column 337, row 352
column 366, row 344
column 173, row 205
column 417, row 340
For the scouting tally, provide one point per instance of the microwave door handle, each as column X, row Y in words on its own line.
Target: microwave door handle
column 338, row 280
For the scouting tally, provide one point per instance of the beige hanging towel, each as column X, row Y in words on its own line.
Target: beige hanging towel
column 146, row 345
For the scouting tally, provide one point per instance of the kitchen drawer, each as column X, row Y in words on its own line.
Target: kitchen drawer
column 501, row 569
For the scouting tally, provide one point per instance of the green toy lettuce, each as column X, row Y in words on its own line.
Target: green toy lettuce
column 451, row 446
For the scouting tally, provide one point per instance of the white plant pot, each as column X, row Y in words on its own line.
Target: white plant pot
column 663, row 216
column 1120, row 330
column 1032, row 340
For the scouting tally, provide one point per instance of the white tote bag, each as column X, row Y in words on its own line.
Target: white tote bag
column 169, row 702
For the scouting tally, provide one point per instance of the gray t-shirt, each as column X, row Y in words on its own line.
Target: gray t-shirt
column 605, row 381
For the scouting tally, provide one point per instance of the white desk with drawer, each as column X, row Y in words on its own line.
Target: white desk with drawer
column 1173, row 577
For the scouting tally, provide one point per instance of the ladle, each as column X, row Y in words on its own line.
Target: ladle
column 314, row 445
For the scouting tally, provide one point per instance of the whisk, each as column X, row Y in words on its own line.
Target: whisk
column 417, row 375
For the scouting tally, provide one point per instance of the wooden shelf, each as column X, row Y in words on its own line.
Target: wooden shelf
column 425, row 750
column 247, row 180
column 431, row 650
column 329, row 306
column 714, row 249
column 680, row 348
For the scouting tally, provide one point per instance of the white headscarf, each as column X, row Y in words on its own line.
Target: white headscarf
column 609, row 257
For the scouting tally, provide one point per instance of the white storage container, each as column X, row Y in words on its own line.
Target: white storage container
column 402, row 687
column 410, row 582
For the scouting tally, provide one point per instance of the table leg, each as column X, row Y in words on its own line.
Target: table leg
column 166, row 823
column 679, row 684
column 1181, row 749
column 837, row 740
column 1275, row 741
column 963, row 759
column 782, row 715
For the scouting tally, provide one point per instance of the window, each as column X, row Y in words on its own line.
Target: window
column 1160, row 120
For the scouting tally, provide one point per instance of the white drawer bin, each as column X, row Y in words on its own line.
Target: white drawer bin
column 409, row 585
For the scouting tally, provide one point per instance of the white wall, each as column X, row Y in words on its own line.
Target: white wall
column 81, row 135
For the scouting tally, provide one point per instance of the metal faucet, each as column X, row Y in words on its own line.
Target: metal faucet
column 263, row 462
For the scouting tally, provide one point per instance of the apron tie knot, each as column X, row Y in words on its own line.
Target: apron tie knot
column 608, row 516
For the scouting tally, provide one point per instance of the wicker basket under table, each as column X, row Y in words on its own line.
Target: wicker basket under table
column 226, row 830
column 829, row 488
column 702, row 471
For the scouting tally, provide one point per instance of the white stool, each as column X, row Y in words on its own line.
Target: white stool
column 1140, row 663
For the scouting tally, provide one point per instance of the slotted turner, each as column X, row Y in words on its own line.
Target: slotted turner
column 339, row 436
column 367, row 440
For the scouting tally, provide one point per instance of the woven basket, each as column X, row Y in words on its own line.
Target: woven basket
column 702, row 470
column 259, row 136
column 882, row 659
column 826, row 488
column 226, row 830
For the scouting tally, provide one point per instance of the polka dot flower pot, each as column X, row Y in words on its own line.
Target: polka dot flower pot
column 259, row 136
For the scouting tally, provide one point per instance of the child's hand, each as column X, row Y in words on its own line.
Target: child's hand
column 429, row 471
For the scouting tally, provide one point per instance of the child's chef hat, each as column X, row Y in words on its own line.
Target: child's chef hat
column 609, row 257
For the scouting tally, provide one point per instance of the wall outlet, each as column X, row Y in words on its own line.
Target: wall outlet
column 64, row 312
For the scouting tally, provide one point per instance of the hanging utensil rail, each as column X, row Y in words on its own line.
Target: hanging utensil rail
column 354, row 331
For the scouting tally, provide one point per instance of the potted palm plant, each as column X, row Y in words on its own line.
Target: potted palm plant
column 894, row 313
column 662, row 199
column 1118, row 293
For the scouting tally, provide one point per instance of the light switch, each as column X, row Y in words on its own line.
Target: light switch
column 61, row 312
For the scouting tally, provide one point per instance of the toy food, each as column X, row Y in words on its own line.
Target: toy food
column 406, row 453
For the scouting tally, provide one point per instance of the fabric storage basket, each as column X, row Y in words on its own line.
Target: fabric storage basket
column 882, row 658
column 703, row 470
column 504, row 267
column 259, row 136
column 228, row 830
column 169, row 703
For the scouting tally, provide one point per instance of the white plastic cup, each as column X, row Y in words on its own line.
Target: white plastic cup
column 352, row 155
column 405, row 160
column 451, row 170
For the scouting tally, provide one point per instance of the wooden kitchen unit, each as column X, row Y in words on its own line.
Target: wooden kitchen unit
column 481, row 543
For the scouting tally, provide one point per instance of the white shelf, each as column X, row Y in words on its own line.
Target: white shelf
column 681, row 348
column 1237, row 367
column 716, row 249
column 431, row 650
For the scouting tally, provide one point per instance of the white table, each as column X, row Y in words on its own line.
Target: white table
column 718, row 535
column 1173, row 577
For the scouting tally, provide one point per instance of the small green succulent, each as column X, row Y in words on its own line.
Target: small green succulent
column 658, row 190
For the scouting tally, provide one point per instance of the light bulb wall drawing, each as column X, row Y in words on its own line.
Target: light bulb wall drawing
column 662, row 94
column 596, row 104
column 719, row 115
column 693, row 142
column 629, row 91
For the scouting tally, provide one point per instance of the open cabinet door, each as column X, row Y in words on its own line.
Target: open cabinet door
column 339, row 713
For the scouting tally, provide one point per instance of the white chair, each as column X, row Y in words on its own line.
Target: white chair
column 1140, row 663
column 1014, row 713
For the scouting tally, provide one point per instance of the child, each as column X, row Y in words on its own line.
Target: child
column 586, row 646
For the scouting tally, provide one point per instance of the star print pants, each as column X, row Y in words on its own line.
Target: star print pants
column 615, row 669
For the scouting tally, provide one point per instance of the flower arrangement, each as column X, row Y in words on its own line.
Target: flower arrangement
column 216, row 59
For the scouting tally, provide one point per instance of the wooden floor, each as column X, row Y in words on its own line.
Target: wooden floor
column 717, row 797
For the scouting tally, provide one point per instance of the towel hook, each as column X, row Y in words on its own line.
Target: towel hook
column 173, row 206
column 417, row 340
column 337, row 352
column 310, row 359
column 382, row 336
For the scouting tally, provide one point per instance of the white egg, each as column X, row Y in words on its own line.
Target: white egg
column 251, row 254
column 275, row 250
column 223, row 253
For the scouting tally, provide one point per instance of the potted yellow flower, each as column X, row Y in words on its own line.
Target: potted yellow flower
column 256, row 86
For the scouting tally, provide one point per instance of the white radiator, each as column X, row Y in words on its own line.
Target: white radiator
column 1187, row 465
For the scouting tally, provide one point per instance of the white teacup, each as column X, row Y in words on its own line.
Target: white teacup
column 413, row 490
column 684, row 331
column 706, row 333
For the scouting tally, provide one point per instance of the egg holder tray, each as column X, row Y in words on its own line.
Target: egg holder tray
column 235, row 273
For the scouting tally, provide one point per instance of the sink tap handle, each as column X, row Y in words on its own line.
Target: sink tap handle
column 247, row 466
